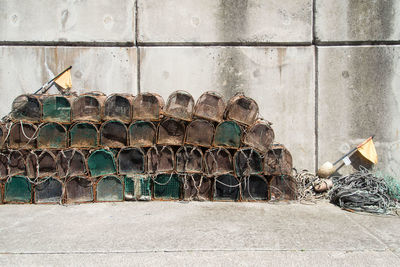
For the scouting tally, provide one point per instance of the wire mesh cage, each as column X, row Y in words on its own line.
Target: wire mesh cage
column 83, row 135
column 260, row 136
column 3, row 166
column 180, row 105
column 79, row 189
column 16, row 163
column 26, row 108
column 167, row 187
column 22, row 136
column 109, row 188
column 278, row 161
column 47, row 164
column 113, row 134
column 160, row 159
column 142, row 134
column 71, row 162
column 3, row 135
column 228, row 134
column 118, row 107
column 197, row 187
column 138, row 187
column 282, row 187
column 57, row 108
column 48, row 190
column 147, row 106
column 171, row 132
column 218, row 161
column 189, row 159
column 18, row 189
column 87, row 107
column 226, row 188
column 199, row 133
column 254, row 188
column 101, row 162
column 210, row 106
column 131, row 160
column 32, row 165
column 247, row 161
column 52, row 135
column 242, row 109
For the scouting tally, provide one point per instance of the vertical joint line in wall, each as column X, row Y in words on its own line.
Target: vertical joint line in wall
column 137, row 48
column 316, row 107
column 314, row 3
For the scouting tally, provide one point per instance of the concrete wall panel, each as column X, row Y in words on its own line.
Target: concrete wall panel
column 24, row 69
column 225, row 21
column 357, row 20
column 359, row 96
column 67, row 20
column 281, row 80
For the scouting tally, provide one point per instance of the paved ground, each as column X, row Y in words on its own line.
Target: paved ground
column 182, row 233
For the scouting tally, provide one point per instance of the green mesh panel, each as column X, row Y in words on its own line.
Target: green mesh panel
column 109, row 188
column 129, row 192
column 227, row 134
column 49, row 191
column 52, row 135
column 83, row 135
column 167, row 186
column 56, row 109
column 101, row 162
column 137, row 187
column 18, row 189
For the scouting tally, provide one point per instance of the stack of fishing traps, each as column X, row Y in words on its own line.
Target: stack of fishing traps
column 74, row 149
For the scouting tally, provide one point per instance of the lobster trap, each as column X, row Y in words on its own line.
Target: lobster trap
column 101, row 162
column 228, row 134
column 138, row 187
column 131, row 160
column 71, row 162
column 226, row 188
column 26, row 108
column 247, row 161
column 109, row 188
column 167, row 187
column 199, row 133
column 3, row 166
column 160, row 159
column 18, row 189
column 16, row 163
column 282, row 187
column 218, row 161
column 142, row 134
column 3, row 135
column 254, row 188
column 113, row 134
column 242, row 109
column 56, row 108
column 278, row 161
column 87, row 107
column 118, row 107
column 22, row 136
column 197, row 187
column 171, row 132
column 180, row 106
column 52, row 135
column 147, row 106
column 260, row 136
column 48, row 190
column 210, row 106
column 189, row 159
column 83, row 135
column 79, row 189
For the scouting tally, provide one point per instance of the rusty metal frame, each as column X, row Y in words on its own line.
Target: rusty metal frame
column 251, row 172
column 39, row 144
column 163, row 140
column 229, row 147
column 76, row 107
column 144, row 161
column 189, row 155
column 243, row 199
column 197, row 108
column 180, row 112
column 74, row 151
column 4, row 162
column 217, row 151
column 66, row 199
column 157, row 151
column 106, row 123
column 16, row 106
column 139, row 114
column 69, row 98
column 284, row 158
column 188, row 139
column 46, row 203
column 239, row 198
column 30, row 142
column 127, row 97
column 233, row 102
column 20, row 156
column 17, row 202
column 258, row 144
column 83, row 122
column 120, row 178
column 133, row 124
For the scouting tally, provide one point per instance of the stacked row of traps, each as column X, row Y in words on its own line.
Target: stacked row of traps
column 73, row 149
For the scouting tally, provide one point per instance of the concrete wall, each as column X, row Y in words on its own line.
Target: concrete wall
column 325, row 72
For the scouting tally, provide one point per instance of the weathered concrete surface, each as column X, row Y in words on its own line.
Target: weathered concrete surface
column 195, row 233
column 67, row 21
column 358, row 97
column 357, row 20
column 24, row 69
column 225, row 21
column 281, row 80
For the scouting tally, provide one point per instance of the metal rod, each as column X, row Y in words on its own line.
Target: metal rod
column 61, row 73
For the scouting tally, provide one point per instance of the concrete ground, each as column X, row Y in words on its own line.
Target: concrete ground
column 209, row 233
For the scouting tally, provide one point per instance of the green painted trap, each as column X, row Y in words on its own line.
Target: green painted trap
column 247, row 161
column 138, row 187
column 113, row 134
column 83, row 135
column 79, row 190
column 48, row 190
column 226, row 188
column 52, row 135
column 228, row 134
column 131, row 160
column 142, row 134
column 254, row 188
column 110, row 188
column 18, row 189
column 118, row 107
column 167, row 187
column 26, row 108
column 101, row 162
column 56, row 108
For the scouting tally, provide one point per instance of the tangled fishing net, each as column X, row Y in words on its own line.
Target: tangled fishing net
column 306, row 182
